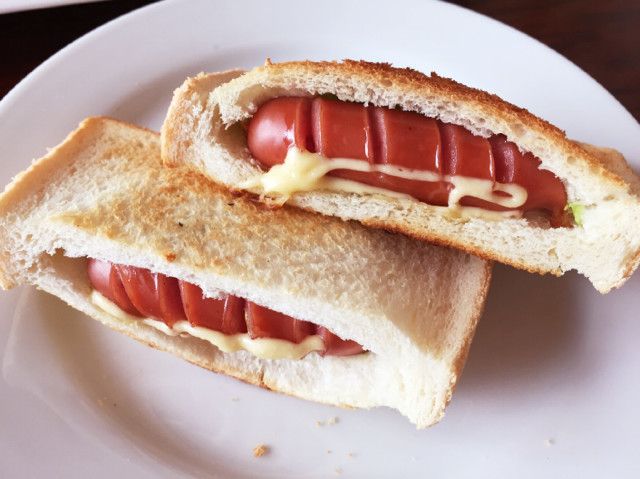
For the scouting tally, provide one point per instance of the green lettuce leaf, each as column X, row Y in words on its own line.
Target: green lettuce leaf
column 577, row 210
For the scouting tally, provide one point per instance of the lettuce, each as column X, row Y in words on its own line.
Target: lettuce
column 577, row 210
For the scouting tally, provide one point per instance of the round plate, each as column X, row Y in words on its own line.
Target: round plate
column 551, row 385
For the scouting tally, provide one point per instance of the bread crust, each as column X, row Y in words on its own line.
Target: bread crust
column 424, row 85
column 606, row 191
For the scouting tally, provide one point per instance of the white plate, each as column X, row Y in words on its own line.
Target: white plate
column 551, row 386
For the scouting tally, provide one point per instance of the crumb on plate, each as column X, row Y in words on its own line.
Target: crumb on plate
column 329, row 422
column 260, row 450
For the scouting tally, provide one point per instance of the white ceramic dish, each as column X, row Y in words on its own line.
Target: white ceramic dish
column 551, row 386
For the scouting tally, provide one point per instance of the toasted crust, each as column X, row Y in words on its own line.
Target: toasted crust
column 420, row 84
column 425, row 86
column 104, row 193
column 612, row 213
column 194, row 92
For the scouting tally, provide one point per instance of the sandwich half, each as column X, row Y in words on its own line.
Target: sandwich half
column 422, row 155
column 299, row 303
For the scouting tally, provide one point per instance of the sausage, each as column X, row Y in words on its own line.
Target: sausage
column 224, row 315
column 338, row 129
column 141, row 293
column 107, row 281
column 336, row 346
column 266, row 323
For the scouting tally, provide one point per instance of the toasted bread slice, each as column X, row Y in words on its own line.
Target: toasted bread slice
column 104, row 193
column 605, row 247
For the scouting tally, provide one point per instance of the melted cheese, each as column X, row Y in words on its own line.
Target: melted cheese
column 306, row 171
column 265, row 348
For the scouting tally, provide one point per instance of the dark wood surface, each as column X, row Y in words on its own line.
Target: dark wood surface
column 602, row 37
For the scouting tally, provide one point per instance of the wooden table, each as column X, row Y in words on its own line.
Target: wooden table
column 602, row 37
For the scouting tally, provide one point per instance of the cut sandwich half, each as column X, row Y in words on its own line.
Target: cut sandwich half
column 296, row 302
column 417, row 154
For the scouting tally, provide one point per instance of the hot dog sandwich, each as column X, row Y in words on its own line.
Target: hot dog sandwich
column 422, row 155
column 296, row 302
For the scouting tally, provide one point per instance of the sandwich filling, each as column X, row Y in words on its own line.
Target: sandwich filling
column 307, row 143
column 177, row 307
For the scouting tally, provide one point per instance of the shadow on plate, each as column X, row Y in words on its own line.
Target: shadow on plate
column 530, row 330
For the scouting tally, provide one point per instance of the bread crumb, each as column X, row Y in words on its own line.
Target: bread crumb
column 329, row 451
column 235, row 399
column 338, row 470
column 260, row 450
column 170, row 256
column 351, row 455
column 329, row 422
column 549, row 442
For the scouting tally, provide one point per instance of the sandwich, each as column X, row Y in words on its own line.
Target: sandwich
column 422, row 155
column 292, row 301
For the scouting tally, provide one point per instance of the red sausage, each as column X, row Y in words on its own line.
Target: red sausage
column 338, row 129
column 543, row 187
column 107, row 281
column 171, row 310
column 266, row 323
column 140, row 292
column 140, row 285
column 335, row 346
column 200, row 310
column 233, row 318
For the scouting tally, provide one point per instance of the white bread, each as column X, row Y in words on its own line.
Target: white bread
column 606, row 249
column 104, row 193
